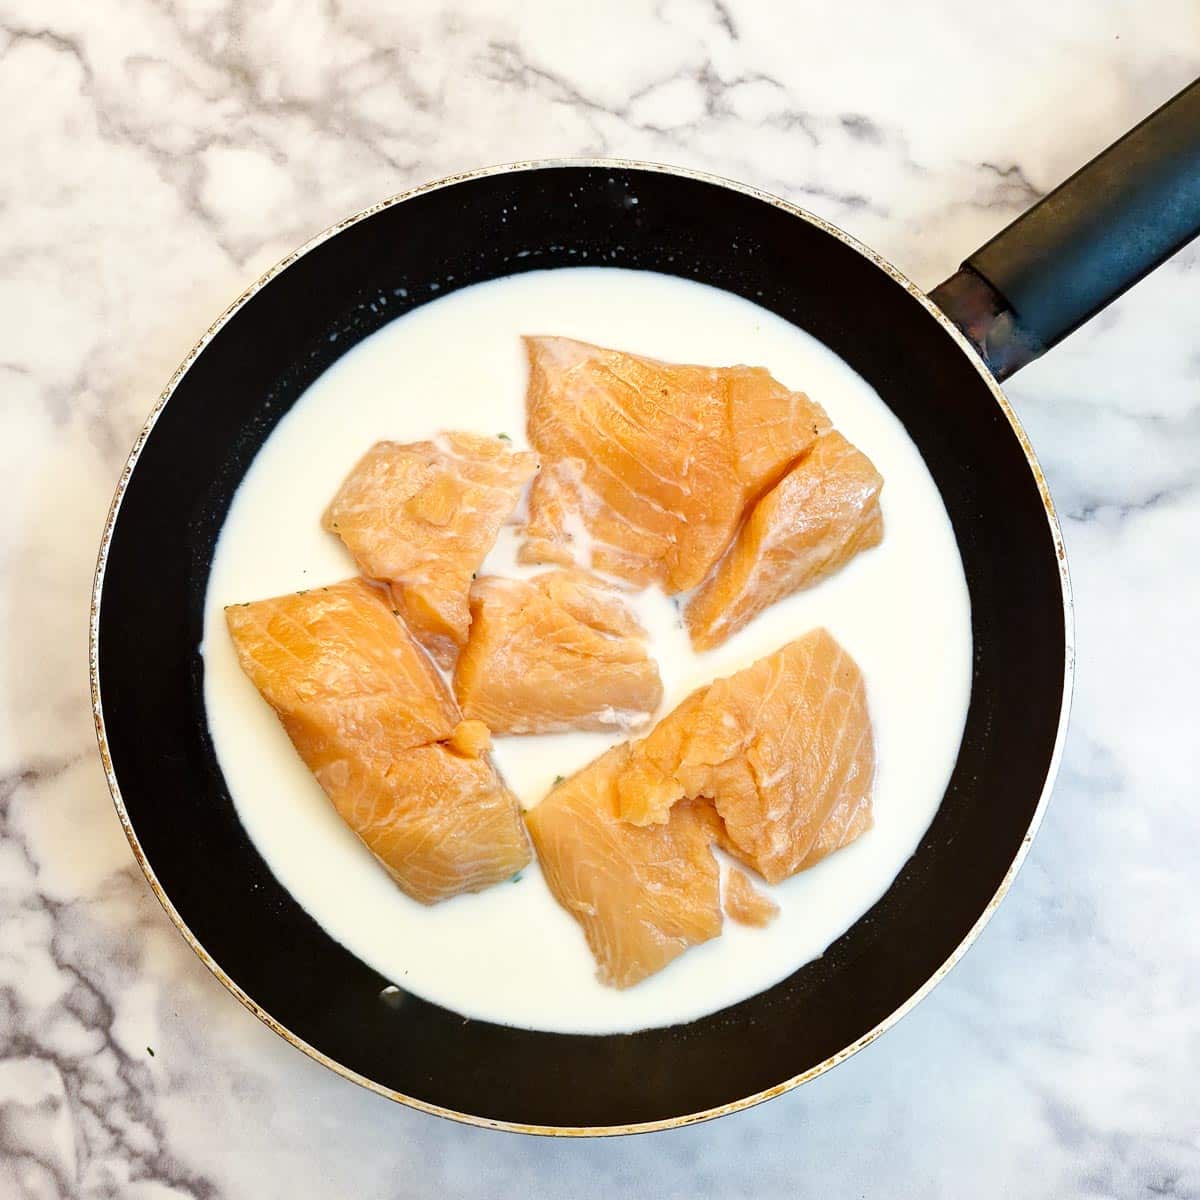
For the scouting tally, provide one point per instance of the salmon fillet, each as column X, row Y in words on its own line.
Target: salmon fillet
column 422, row 517
column 810, row 524
column 642, row 896
column 852, row 816
column 781, row 748
column 373, row 721
column 745, row 904
column 556, row 652
column 648, row 466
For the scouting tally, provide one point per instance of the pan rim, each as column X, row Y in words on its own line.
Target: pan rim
column 583, row 1130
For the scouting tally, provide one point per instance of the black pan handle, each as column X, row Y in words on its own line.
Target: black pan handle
column 1081, row 246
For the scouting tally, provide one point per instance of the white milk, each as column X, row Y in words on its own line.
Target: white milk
column 510, row 954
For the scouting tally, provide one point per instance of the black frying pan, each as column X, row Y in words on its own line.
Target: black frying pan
column 928, row 357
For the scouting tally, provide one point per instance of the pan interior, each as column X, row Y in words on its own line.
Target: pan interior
column 251, row 374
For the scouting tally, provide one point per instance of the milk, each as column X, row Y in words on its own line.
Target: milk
column 511, row 954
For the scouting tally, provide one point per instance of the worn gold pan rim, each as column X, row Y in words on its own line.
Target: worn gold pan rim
column 605, row 1130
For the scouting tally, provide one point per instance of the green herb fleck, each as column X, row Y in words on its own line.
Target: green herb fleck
column 557, row 780
column 395, row 612
column 302, row 592
column 504, row 437
column 150, row 1051
column 516, row 878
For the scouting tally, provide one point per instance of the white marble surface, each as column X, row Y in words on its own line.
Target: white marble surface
column 159, row 153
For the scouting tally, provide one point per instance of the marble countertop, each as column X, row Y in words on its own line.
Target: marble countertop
column 160, row 153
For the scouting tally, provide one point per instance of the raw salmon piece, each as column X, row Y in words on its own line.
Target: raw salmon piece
column 850, row 819
column 472, row 738
column 648, row 466
column 558, row 651
column 440, row 821
column 336, row 656
column 422, row 518
column 810, row 524
column 375, row 724
column 650, row 783
column 781, row 748
column 642, row 896
column 745, row 904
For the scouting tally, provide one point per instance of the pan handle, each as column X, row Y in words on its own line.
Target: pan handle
column 1081, row 246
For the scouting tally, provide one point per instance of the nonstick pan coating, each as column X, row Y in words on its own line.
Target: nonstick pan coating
column 246, row 374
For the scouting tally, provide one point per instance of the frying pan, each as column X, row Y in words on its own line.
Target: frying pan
column 935, row 360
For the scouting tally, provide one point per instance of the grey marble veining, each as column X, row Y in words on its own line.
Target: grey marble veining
column 158, row 154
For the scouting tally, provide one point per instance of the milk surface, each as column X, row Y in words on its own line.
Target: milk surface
column 511, row 954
